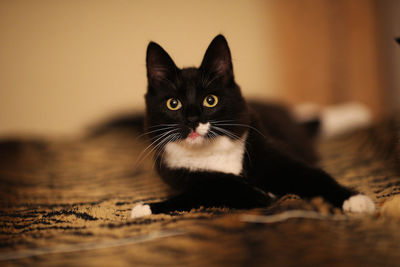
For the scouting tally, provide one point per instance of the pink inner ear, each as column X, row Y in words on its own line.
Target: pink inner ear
column 158, row 72
column 220, row 67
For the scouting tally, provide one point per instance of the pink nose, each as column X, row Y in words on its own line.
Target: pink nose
column 193, row 135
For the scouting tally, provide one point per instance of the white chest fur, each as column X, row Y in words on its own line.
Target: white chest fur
column 221, row 155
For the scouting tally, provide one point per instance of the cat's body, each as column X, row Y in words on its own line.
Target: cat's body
column 218, row 151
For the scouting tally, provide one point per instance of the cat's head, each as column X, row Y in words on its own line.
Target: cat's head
column 193, row 105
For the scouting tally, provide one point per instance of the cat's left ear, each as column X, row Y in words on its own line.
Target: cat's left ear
column 161, row 69
column 217, row 60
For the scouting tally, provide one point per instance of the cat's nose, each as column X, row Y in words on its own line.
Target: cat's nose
column 193, row 119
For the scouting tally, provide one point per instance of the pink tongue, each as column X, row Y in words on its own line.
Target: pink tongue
column 193, row 135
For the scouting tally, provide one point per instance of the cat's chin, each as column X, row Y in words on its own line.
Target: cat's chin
column 197, row 141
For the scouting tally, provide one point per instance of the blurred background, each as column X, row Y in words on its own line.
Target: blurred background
column 65, row 65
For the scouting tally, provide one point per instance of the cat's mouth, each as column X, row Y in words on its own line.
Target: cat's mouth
column 197, row 136
column 193, row 135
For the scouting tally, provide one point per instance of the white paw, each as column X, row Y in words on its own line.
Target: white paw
column 140, row 210
column 359, row 203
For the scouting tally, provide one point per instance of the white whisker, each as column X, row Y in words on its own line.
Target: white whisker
column 162, row 151
column 154, row 148
column 154, row 131
column 159, row 147
column 166, row 124
column 158, row 137
column 233, row 136
column 243, row 125
column 228, row 133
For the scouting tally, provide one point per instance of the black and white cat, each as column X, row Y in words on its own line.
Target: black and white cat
column 218, row 151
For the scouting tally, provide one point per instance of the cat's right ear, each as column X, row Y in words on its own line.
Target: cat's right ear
column 217, row 61
column 161, row 69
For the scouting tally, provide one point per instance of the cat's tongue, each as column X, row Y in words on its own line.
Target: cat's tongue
column 193, row 135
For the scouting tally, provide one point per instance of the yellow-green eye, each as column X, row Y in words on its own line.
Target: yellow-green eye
column 210, row 101
column 174, row 104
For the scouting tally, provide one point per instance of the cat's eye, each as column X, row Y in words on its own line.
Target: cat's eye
column 174, row 104
column 210, row 101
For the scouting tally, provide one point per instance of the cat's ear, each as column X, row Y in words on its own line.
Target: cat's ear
column 161, row 68
column 217, row 60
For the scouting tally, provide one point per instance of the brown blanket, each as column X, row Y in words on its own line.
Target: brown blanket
column 68, row 202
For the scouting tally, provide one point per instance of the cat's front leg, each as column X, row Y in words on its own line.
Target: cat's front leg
column 182, row 202
column 215, row 190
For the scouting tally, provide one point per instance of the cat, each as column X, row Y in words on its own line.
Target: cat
column 218, row 151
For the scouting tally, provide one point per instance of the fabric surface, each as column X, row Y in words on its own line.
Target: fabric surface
column 67, row 202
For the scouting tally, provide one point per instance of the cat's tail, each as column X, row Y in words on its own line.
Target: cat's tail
column 332, row 120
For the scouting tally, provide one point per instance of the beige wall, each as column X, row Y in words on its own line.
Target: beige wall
column 67, row 64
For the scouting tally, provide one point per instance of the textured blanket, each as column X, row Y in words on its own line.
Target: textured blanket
column 68, row 202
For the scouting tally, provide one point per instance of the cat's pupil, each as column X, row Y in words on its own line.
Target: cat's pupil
column 210, row 100
column 174, row 103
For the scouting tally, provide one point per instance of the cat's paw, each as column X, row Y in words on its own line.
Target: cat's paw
column 359, row 203
column 140, row 210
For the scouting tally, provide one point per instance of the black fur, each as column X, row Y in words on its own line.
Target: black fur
column 279, row 159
